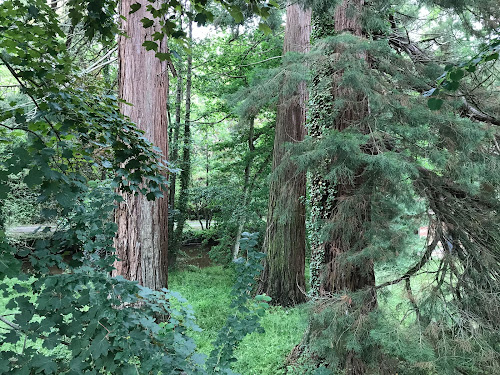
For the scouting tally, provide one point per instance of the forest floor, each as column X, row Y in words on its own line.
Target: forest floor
column 208, row 291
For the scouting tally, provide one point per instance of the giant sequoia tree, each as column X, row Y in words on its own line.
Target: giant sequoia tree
column 379, row 158
column 340, row 202
column 141, row 241
column 285, row 239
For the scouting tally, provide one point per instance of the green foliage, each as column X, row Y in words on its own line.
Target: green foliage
column 167, row 17
column 450, row 80
column 246, row 312
column 209, row 292
column 99, row 323
column 374, row 138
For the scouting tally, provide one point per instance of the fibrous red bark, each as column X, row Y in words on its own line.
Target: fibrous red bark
column 141, row 241
column 283, row 276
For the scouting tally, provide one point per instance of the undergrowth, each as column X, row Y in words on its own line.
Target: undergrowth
column 208, row 291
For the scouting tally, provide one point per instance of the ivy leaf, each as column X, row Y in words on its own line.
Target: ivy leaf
column 134, row 8
column 435, row 104
column 265, row 28
column 146, row 22
column 150, row 45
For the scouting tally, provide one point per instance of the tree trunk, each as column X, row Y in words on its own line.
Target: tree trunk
column 342, row 205
column 285, row 240
column 242, row 217
column 141, row 242
column 186, row 153
column 331, row 275
column 173, row 240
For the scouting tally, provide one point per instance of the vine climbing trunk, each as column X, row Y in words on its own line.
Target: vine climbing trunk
column 186, row 152
column 141, row 241
column 329, row 202
column 285, row 240
column 338, row 266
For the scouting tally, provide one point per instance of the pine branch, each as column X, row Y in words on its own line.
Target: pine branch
column 425, row 258
column 403, row 44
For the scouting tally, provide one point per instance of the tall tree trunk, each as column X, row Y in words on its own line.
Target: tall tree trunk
column 141, row 242
column 186, row 151
column 173, row 240
column 332, row 275
column 285, row 240
column 242, row 217
column 342, row 206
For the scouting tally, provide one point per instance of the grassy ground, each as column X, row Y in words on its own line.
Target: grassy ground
column 208, row 291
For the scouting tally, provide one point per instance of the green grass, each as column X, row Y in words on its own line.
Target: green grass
column 208, row 291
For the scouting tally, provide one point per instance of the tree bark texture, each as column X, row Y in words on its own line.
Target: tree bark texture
column 141, row 241
column 341, row 205
column 285, row 240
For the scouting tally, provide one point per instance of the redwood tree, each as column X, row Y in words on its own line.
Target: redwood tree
column 343, row 204
column 141, row 241
column 283, row 275
column 340, row 199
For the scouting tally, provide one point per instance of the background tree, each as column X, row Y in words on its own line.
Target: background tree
column 185, row 177
column 285, row 240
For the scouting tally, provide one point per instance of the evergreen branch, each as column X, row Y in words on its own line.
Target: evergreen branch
column 258, row 173
column 428, row 252
column 417, row 55
column 208, row 123
column 479, row 115
column 262, row 61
